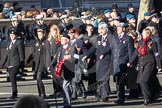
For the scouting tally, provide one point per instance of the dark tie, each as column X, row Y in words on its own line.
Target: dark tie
column 11, row 44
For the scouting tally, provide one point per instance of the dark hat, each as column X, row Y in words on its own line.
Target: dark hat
column 114, row 6
column 65, row 35
column 130, row 16
column 106, row 11
column 154, row 15
column 13, row 31
column 130, row 5
column 147, row 14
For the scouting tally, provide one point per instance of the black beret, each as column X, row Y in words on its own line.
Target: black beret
column 13, row 31
column 65, row 35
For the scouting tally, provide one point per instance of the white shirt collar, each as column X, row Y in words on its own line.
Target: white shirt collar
column 121, row 35
column 13, row 41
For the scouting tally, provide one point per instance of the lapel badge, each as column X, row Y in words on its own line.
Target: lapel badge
column 99, row 42
column 124, row 42
column 104, row 44
column 37, row 44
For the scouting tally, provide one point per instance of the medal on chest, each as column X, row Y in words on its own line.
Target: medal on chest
column 104, row 42
column 99, row 42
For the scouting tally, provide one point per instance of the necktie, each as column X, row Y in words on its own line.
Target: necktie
column 11, row 45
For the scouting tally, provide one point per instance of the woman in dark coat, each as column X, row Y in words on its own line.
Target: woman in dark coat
column 42, row 58
column 54, row 42
column 149, row 60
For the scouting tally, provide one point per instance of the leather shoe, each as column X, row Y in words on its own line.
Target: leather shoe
column 119, row 102
column 105, row 99
column 74, row 98
column 22, row 74
column 43, row 96
column 97, row 97
column 19, row 78
column 8, row 79
column 84, row 96
column 132, row 97
column 147, row 102
column 67, row 107
column 12, row 97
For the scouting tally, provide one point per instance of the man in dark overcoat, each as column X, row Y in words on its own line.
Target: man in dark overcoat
column 122, row 47
column 103, row 61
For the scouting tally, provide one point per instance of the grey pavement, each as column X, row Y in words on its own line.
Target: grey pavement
column 29, row 87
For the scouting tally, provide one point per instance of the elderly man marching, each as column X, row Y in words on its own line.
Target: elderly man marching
column 103, row 60
column 122, row 49
column 65, row 67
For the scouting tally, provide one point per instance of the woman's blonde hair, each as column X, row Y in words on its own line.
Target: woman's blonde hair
column 57, row 37
column 148, row 31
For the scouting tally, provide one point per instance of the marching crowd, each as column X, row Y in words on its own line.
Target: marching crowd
column 93, row 51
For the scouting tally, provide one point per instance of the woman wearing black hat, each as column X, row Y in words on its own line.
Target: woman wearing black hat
column 13, row 60
column 65, row 67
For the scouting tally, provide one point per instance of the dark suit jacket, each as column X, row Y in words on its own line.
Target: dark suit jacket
column 69, row 65
column 36, row 54
column 147, row 63
column 14, row 55
column 121, row 52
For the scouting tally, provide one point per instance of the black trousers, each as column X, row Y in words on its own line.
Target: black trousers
column 103, row 89
column 12, row 74
column 120, row 80
column 57, row 86
column 40, row 85
column 151, row 88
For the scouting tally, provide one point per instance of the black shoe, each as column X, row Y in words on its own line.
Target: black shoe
column 67, row 107
column 97, row 97
column 74, row 98
column 43, row 96
column 8, row 79
column 19, row 78
column 1, row 72
column 147, row 102
column 22, row 74
column 132, row 97
column 52, row 95
column 105, row 99
column 35, row 77
column 25, row 70
column 57, row 94
column 119, row 102
column 156, row 96
column 84, row 96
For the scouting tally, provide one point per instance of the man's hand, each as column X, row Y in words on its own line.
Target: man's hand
column 101, row 57
column 66, row 57
column 48, row 68
column 84, row 58
column 159, row 70
column 129, row 65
